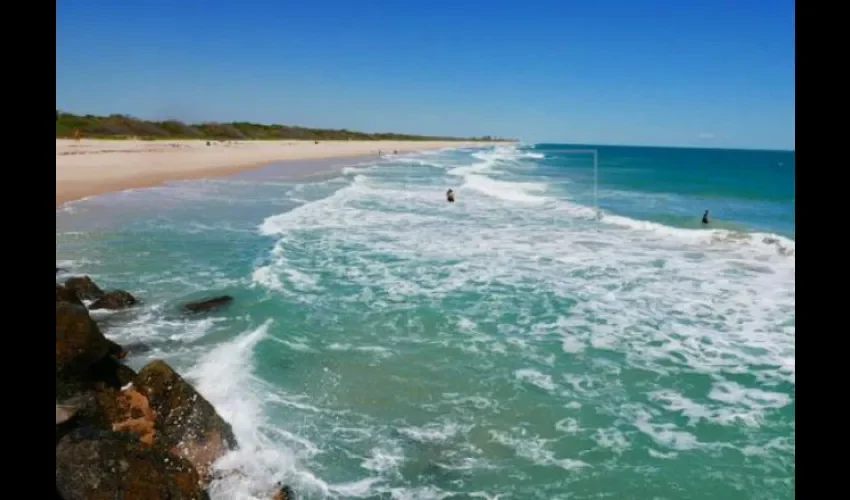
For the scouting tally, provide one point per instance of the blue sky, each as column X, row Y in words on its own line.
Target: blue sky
column 689, row 73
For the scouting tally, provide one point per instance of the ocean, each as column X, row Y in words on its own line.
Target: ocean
column 530, row 341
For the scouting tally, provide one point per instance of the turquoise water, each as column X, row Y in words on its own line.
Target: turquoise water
column 515, row 344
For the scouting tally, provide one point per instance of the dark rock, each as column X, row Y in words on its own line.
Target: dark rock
column 207, row 304
column 114, row 349
column 84, row 287
column 79, row 342
column 93, row 393
column 106, row 400
column 69, row 385
column 137, row 348
column 61, row 270
column 65, row 413
column 283, row 492
column 65, row 424
column 128, row 410
column 114, row 299
column 63, row 294
column 94, row 464
column 186, row 424
column 108, row 372
column 87, row 412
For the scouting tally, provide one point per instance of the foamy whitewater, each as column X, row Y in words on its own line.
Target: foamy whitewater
column 515, row 344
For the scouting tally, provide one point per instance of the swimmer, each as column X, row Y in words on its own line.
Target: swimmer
column 450, row 196
column 705, row 218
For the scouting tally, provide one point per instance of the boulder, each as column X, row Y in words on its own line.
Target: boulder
column 68, row 386
column 205, row 305
column 84, row 287
column 65, row 413
column 186, row 424
column 64, row 294
column 129, row 410
column 79, row 342
column 116, row 350
column 106, row 373
column 93, row 464
column 109, row 373
column 137, row 348
column 283, row 492
column 101, row 399
column 115, row 299
column 93, row 393
column 81, row 410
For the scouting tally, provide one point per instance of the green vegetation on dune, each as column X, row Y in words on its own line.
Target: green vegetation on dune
column 123, row 127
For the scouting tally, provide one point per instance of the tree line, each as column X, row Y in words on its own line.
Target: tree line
column 123, row 127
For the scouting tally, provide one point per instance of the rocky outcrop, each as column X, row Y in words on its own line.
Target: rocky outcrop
column 64, row 294
column 79, row 343
column 186, row 424
column 115, row 299
column 79, row 411
column 120, row 434
column 93, row 464
column 115, row 350
column 205, row 305
column 132, row 413
column 283, row 493
column 65, row 413
column 84, row 287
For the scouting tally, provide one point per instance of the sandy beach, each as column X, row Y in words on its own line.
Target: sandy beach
column 91, row 166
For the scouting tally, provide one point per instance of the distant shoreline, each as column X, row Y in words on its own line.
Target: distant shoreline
column 89, row 167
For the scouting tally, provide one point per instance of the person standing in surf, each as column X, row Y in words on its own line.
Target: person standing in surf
column 450, row 196
column 705, row 218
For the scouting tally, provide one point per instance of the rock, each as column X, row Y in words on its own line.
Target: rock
column 84, row 287
column 65, row 413
column 61, row 270
column 137, row 348
column 94, row 464
column 283, row 492
column 63, row 294
column 115, row 350
column 132, row 413
column 186, row 424
column 207, row 304
column 108, row 372
column 94, row 392
column 79, row 342
column 86, row 412
column 81, row 410
column 69, row 386
column 115, row 299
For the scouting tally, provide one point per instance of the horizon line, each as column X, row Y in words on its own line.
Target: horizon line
column 659, row 146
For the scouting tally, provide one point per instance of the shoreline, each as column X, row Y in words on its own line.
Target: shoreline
column 91, row 167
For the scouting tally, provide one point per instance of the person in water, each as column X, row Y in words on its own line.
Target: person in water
column 450, row 196
column 705, row 218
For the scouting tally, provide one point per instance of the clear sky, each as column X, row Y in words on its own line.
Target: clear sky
column 678, row 72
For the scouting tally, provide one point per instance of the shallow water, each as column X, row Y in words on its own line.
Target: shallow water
column 386, row 344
